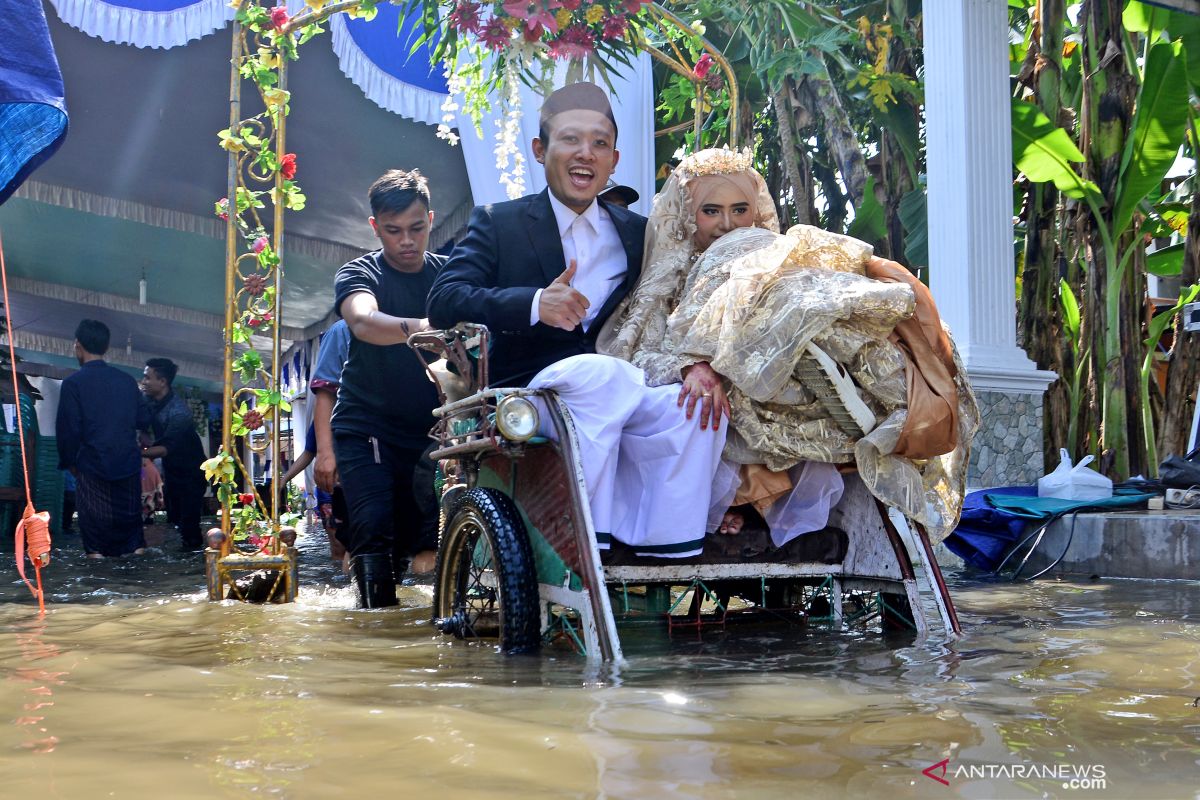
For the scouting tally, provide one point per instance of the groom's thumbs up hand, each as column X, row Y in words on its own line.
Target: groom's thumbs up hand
column 567, row 275
column 560, row 305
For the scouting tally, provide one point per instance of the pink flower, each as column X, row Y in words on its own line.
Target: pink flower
column 538, row 16
column 222, row 208
column 614, row 27
column 633, row 6
column 465, row 17
column 279, row 17
column 571, row 5
column 495, row 34
column 260, row 244
column 576, row 41
column 703, row 65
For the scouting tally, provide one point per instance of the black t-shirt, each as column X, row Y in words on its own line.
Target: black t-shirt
column 385, row 391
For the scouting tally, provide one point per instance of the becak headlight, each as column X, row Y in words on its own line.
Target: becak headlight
column 517, row 419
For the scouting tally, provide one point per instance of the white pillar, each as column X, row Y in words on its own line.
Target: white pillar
column 969, row 161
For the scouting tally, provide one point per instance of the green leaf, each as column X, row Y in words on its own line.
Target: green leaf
column 903, row 123
column 1142, row 18
column 1044, row 152
column 1187, row 27
column 1158, row 128
column 1070, row 309
column 1161, row 320
column 868, row 224
column 914, row 217
column 1166, row 262
column 240, row 334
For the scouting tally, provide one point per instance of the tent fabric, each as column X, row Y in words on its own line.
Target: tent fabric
column 376, row 56
column 33, row 110
column 380, row 85
column 146, row 23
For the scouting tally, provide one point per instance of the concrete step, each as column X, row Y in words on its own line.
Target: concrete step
column 1118, row 544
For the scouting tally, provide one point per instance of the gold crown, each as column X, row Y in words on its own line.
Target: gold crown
column 715, row 161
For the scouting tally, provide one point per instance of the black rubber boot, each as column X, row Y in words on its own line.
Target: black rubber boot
column 372, row 575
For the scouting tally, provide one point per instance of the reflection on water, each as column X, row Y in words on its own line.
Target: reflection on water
column 133, row 685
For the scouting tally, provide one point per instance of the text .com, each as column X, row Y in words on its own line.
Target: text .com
column 1071, row 776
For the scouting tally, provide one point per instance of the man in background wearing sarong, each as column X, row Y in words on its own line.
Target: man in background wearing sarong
column 100, row 412
column 178, row 445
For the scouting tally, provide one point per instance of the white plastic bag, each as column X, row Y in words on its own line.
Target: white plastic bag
column 1077, row 482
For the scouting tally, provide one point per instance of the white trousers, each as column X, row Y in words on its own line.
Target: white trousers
column 816, row 489
column 648, row 469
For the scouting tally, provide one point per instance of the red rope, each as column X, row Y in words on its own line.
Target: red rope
column 33, row 531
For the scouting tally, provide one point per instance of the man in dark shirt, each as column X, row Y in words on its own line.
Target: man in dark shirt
column 384, row 405
column 178, row 445
column 99, row 415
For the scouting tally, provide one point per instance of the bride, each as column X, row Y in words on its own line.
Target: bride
column 737, row 313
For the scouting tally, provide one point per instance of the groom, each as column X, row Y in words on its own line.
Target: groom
column 543, row 273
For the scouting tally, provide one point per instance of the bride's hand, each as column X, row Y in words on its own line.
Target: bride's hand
column 702, row 384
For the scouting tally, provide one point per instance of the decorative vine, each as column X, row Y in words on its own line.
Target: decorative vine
column 492, row 47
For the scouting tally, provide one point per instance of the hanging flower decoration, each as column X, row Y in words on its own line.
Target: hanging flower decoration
column 528, row 35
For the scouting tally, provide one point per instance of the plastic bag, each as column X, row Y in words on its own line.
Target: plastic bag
column 1074, row 482
column 1181, row 473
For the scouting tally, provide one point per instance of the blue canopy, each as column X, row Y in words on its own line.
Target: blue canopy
column 375, row 55
column 33, row 112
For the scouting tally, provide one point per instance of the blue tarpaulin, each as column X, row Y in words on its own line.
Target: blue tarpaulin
column 33, row 109
column 993, row 520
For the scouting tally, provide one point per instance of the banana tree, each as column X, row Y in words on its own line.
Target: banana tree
column 1132, row 115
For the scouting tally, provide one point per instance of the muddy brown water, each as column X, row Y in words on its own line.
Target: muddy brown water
column 134, row 685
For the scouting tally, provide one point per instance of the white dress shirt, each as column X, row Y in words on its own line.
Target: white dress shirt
column 591, row 239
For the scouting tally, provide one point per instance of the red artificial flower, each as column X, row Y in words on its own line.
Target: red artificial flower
column 576, row 41
column 245, row 499
column 222, row 208
column 465, row 17
column 287, row 166
column 571, row 5
column 703, row 65
column 634, row 6
column 495, row 34
column 279, row 17
column 614, row 27
column 259, row 244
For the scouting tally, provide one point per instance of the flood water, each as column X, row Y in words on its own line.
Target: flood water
column 134, row 685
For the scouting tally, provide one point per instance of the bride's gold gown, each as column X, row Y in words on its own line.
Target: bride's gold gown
column 749, row 305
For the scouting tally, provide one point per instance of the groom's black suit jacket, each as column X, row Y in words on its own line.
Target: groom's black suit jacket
column 510, row 251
